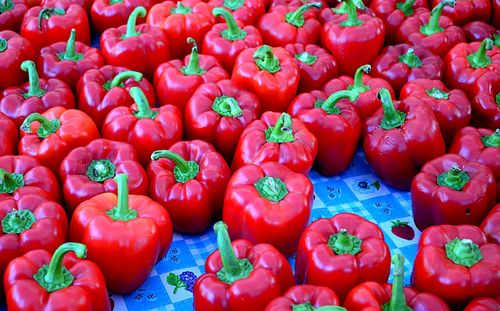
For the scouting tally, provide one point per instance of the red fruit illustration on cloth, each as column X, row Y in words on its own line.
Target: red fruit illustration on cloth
column 402, row 229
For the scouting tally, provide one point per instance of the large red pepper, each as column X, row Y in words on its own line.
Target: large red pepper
column 457, row 264
column 330, row 13
column 431, row 30
column 491, row 225
column 12, row 13
column 14, row 50
column 451, row 107
column 189, row 180
column 50, row 136
column 478, row 31
column 37, row 95
column 9, row 136
column 268, row 203
column 218, row 113
column 241, row 276
column 484, row 304
column 247, row 12
column 141, row 48
column 39, row 280
column 277, row 138
column 107, row 14
column 485, row 101
column 176, row 80
column 306, row 297
column 451, row 190
column 269, row 73
column 101, row 90
column 88, row 171
column 334, row 123
column 147, row 129
column 68, row 61
column 126, row 235
column 466, row 11
column 227, row 40
column 400, row 138
column 342, row 252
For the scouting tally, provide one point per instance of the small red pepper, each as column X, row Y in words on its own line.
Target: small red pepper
column 14, row 50
column 37, row 95
column 218, row 113
column 126, row 235
column 12, row 13
column 451, row 190
column 466, row 11
column 342, row 252
column 9, row 136
column 478, row 31
column 277, row 138
column 247, row 12
column 241, row 276
column 457, row 264
column 491, row 225
column 50, row 136
column 107, row 14
column 306, row 297
column 485, row 101
column 484, row 304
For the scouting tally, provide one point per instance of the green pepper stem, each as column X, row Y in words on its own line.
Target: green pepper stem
column 143, row 109
column 398, row 301
column 69, row 53
column 3, row 45
column 282, row 131
column 463, row 252
column 34, row 81
column 406, row 7
column 193, row 66
column 47, row 13
column 227, row 255
column 454, row 178
column 392, row 117
column 10, row 182
column 227, row 106
column 181, row 9
column 233, row 32
column 271, row 188
column 410, row 59
column 55, row 272
column 5, row 6
column 233, row 5
column 296, row 18
column 480, row 59
column 344, row 243
column 266, row 60
column 493, row 140
column 352, row 15
column 183, row 170
column 437, row 93
column 122, row 207
column 432, row 26
column 122, row 76
column 309, row 307
column 329, row 105
column 497, row 99
column 47, row 127
column 132, row 22
column 111, row 2
column 358, row 85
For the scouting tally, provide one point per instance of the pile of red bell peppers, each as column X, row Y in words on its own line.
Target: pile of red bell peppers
column 193, row 112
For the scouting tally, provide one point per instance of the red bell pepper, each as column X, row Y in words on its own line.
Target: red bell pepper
column 9, row 136
column 401, row 63
column 50, row 136
column 88, row 171
column 478, row 31
column 14, row 50
column 107, row 14
column 431, row 30
column 225, row 41
column 342, row 252
column 457, row 264
column 101, row 90
column 367, row 88
column 484, row 304
column 330, row 13
column 277, row 138
column 189, row 180
column 12, row 13
column 181, row 20
column 126, row 235
column 23, row 175
column 146, row 129
column 40, row 280
column 491, row 225
column 43, row 26
column 218, row 113
column 334, row 123
column 377, row 297
column 127, row 44
column 316, row 65
column 68, row 61
column 451, row 190
column 247, row 12
column 241, row 276
column 37, row 95
column 270, row 73
column 495, row 17
column 400, row 138
column 176, row 80
column 353, row 39
column 485, row 101
column 306, row 297
column 297, row 3
column 451, row 107
column 467, row 11
column 268, row 203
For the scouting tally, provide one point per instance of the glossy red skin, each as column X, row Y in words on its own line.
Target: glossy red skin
column 337, row 134
column 387, row 66
column 317, row 264
column 367, row 103
column 105, row 15
column 457, row 285
column 38, row 179
column 49, row 65
column 12, row 19
column 248, row 14
column 126, row 251
column 312, row 77
column 327, row 15
column 459, row 74
column 271, row 277
column 18, row 50
column 87, row 292
column 466, row 11
column 85, row 4
column 145, row 135
column 297, row 3
column 483, row 304
column 78, row 187
column 252, row 217
column 316, row 295
column 485, row 110
column 191, row 205
column 353, row 46
column 435, row 205
column 97, row 102
column 439, row 43
column 452, row 114
column 179, row 27
column 491, row 225
column 275, row 91
column 253, row 147
column 151, row 47
column 203, row 123
column 76, row 130
column 396, row 155
column 57, row 28
column 371, row 296
column 9, row 136
column 495, row 17
column 175, row 88
column 478, row 31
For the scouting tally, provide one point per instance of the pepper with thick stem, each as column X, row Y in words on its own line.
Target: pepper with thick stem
column 247, row 12
column 14, row 50
column 106, row 14
column 306, row 298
